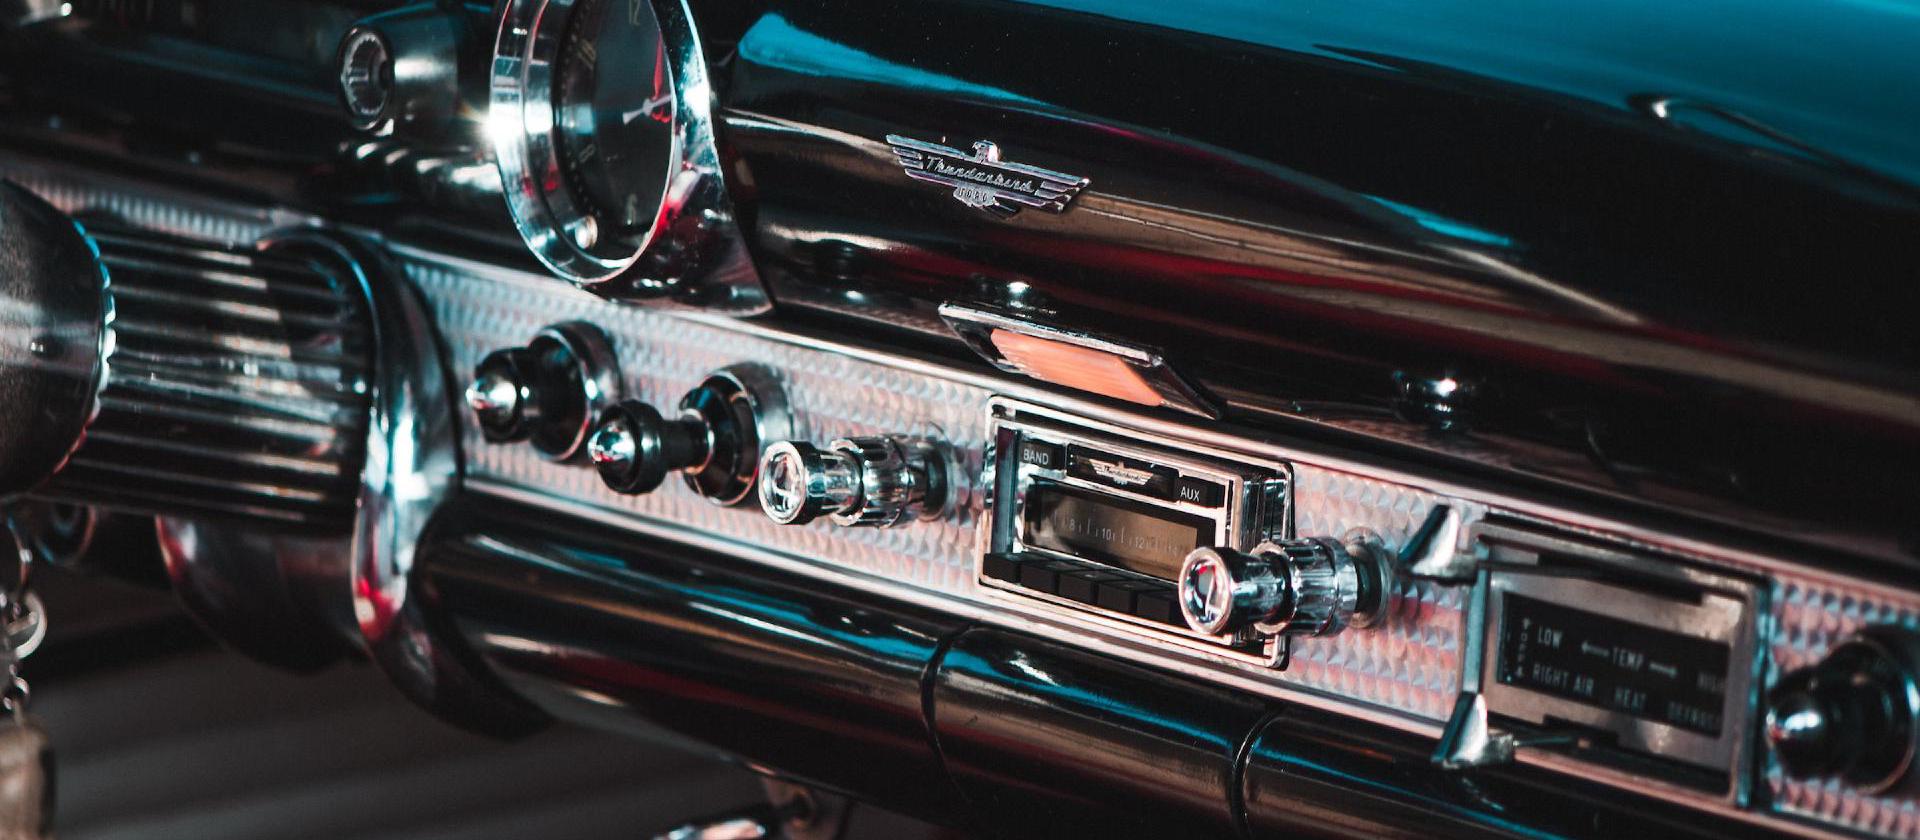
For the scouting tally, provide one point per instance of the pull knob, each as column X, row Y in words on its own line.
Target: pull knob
column 877, row 481
column 634, row 447
column 1307, row 587
column 713, row 441
column 1852, row 715
column 549, row 392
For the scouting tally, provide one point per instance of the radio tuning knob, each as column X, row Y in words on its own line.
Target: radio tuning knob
column 1854, row 714
column 878, row 481
column 549, row 391
column 1305, row 587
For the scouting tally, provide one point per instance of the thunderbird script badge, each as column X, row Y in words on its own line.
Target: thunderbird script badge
column 985, row 181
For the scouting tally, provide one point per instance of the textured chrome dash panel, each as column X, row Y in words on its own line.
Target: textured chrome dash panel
column 1811, row 617
column 664, row 356
column 152, row 208
column 1412, row 661
column 1411, row 665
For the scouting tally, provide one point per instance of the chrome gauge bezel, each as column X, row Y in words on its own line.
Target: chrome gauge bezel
column 694, row 256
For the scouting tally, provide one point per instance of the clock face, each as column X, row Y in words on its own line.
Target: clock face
column 614, row 123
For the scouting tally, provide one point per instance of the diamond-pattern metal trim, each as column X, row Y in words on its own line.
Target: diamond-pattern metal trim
column 1810, row 618
column 1411, row 662
column 663, row 357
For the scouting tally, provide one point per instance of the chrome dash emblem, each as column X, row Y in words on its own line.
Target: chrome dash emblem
column 1120, row 474
column 983, row 180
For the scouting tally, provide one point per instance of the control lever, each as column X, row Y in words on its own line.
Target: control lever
column 879, row 481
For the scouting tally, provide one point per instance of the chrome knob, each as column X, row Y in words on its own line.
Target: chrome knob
column 499, row 394
column 713, row 440
column 634, row 447
column 1307, row 587
column 877, row 481
column 800, row 483
column 549, row 392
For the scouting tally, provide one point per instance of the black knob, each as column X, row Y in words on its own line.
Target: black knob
column 1852, row 714
column 549, row 392
column 634, row 447
column 713, row 440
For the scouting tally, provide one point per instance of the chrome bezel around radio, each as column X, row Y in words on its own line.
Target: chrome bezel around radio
column 1255, row 505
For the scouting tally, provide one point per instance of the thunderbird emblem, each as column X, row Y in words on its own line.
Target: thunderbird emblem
column 985, row 181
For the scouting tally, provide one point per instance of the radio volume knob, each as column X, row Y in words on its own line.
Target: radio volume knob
column 1307, row 587
column 877, row 481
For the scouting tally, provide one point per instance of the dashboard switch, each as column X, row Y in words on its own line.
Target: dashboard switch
column 634, row 447
column 1306, row 587
column 1853, row 714
column 713, row 440
column 548, row 392
column 878, row 481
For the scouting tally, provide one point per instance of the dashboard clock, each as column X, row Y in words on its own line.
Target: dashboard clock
column 601, row 124
column 613, row 124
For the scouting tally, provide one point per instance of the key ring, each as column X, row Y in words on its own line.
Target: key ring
column 27, row 630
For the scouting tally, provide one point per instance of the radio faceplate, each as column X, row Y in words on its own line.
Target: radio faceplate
column 1091, row 517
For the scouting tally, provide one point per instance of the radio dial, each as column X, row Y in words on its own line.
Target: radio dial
column 878, row 481
column 1307, row 587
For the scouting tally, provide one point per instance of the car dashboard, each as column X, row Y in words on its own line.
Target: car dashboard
column 1037, row 418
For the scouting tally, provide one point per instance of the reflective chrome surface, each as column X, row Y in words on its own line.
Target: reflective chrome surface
column 875, row 481
column 1309, row 587
column 231, row 381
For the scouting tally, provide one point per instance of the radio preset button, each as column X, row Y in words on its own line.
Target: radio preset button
column 1118, row 595
column 1084, row 586
column 1157, row 604
column 1120, row 472
column 1045, row 576
column 1002, row 567
column 1199, row 491
column 1042, row 454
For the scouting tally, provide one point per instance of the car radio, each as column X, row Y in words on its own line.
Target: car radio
column 1094, row 518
